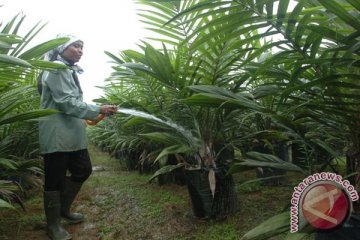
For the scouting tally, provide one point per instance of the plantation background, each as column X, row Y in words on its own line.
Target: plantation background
column 261, row 92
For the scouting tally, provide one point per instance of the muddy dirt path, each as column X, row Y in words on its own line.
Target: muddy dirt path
column 117, row 204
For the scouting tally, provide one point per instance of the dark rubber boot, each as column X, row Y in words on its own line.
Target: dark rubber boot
column 68, row 195
column 52, row 213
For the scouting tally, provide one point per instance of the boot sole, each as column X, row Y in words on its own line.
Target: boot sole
column 66, row 238
column 71, row 222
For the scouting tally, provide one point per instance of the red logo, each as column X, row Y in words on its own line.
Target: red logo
column 325, row 206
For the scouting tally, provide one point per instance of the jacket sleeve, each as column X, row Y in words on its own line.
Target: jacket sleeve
column 67, row 97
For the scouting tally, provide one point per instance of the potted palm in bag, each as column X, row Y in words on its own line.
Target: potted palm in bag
column 205, row 159
column 201, row 153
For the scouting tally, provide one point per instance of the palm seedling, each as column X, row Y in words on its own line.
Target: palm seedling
column 19, row 100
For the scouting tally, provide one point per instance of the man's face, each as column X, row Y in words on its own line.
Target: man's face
column 73, row 52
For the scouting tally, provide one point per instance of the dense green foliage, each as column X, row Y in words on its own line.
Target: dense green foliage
column 19, row 163
column 234, row 73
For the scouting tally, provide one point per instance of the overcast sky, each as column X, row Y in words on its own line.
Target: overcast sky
column 110, row 25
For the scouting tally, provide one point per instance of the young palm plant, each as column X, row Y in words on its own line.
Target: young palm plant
column 19, row 107
column 157, row 81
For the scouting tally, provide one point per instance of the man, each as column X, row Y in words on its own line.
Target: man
column 63, row 139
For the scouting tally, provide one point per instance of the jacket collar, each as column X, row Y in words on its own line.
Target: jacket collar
column 73, row 66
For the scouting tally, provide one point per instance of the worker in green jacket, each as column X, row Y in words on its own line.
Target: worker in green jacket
column 63, row 139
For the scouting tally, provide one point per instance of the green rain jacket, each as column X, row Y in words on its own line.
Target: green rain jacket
column 64, row 131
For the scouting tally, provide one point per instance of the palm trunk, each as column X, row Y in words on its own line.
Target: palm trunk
column 205, row 205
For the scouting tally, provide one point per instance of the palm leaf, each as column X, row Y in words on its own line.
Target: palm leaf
column 281, row 12
column 175, row 149
column 13, row 60
column 293, row 17
column 39, row 50
column 335, row 8
column 255, row 160
column 354, row 3
column 4, row 204
column 166, row 169
column 25, row 116
column 273, row 226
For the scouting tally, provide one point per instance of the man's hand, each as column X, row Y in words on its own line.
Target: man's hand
column 108, row 109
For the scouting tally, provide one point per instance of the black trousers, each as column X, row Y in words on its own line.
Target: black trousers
column 58, row 163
